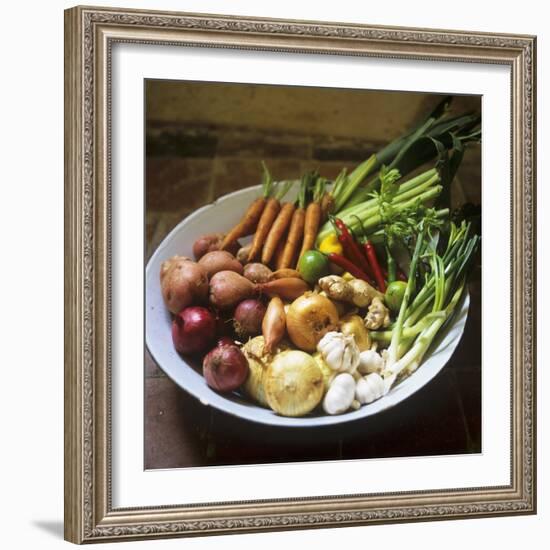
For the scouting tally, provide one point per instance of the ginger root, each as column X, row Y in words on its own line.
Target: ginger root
column 356, row 291
column 378, row 315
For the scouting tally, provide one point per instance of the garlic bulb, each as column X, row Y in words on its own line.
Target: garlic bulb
column 370, row 388
column 340, row 395
column 370, row 361
column 339, row 351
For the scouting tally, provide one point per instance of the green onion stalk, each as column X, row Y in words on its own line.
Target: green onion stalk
column 406, row 153
column 430, row 140
column 397, row 331
column 422, row 316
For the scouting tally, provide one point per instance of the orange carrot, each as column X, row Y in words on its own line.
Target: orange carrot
column 280, row 225
column 311, row 226
column 269, row 215
column 278, row 256
column 248, row 222
column 251, row 219
column 293, row 239
column 267, row 218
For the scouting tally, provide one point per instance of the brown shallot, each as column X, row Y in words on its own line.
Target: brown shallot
column 288, row 288
column 274, row 323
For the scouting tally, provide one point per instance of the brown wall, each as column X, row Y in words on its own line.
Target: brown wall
column 367, row 115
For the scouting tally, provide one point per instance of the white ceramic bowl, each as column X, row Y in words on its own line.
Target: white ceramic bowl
column 218, row 217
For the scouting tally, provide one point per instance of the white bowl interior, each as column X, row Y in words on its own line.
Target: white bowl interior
column 220, row 216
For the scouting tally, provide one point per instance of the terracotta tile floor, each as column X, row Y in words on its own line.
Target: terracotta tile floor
column 442, row 418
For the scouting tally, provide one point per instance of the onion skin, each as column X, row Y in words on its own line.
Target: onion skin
column 193, row 330
column 257, row 273
column 225, row 368
column 353, row 324
column 225, row 341
column 228, row 288
column 183, row 283
column 309, row 318
column 258, row 361
column 248, row 318
column 220, row 260
column 258, row 358
column 293, row 383
column 288, row 288
column 274, row 323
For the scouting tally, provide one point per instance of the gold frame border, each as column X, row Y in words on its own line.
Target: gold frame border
column 89, row 34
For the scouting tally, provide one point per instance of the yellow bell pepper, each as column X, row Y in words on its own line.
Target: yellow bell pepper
column 331, row 245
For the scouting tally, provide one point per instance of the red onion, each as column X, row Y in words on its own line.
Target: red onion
column 248, row 317
column 225, row 368
column 225, row 341
column 193, row 330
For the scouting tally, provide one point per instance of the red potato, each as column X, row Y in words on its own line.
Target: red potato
column 183, row 283
column 169, row 263
column 212, row 242
column 228, row 288
column 220, row 260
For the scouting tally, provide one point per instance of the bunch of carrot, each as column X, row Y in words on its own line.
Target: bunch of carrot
column 282, row 231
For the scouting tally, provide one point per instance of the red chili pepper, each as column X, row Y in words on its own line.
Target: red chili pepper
column 349, row 266
column 373, row 260
column 351, row 248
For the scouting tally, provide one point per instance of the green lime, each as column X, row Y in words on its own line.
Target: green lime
column 312, row 266
column 394, row 295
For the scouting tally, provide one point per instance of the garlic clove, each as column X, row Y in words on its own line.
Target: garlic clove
column 370, row 361
column 340, row 395
column 370, row 388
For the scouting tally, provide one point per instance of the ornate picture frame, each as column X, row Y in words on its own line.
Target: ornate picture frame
column 89, row 36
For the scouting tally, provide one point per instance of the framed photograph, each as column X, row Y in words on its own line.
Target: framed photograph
column 300, row 274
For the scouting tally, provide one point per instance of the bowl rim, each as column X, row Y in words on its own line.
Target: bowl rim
column 225, row 404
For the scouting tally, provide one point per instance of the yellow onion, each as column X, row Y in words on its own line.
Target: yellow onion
column 353, row 324
column 328, row 373
column 258, row 361
column 293, row 383
column 309, row 318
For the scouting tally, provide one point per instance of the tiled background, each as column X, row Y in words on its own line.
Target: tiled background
column 206, row 141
